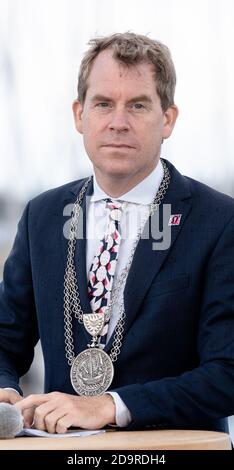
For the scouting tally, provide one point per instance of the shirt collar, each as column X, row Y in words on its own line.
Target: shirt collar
column 142, row 193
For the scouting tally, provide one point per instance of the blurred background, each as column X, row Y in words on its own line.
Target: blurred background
column 41, row 45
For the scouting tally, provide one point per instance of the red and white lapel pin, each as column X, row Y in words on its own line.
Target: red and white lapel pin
column 175, row 219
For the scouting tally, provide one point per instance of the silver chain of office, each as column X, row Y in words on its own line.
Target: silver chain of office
column 72, row 305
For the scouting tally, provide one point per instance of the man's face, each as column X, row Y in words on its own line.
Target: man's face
column 121, row 119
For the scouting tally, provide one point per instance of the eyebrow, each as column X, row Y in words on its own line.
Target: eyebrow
column 135, row 99
column 100, row 98
column 144, row 98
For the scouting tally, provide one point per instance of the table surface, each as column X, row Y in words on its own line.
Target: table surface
column 126, row 440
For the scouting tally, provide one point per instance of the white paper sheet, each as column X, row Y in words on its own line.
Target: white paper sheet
column 69, row 433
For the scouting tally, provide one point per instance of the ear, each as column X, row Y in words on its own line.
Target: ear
column 77, row 112
column 170, row 116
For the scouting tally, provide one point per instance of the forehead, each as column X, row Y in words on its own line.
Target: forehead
column 109, row 76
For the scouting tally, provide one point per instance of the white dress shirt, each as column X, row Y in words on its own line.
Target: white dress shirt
column 136, row 207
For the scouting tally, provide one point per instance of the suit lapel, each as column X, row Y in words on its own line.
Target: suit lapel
column 146, row 261
column 80, row 256
column 80, row 251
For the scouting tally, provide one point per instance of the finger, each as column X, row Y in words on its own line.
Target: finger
column 51, row 420
column 9, row 396
column 64, row 423
column 40, row 415
column 28, row 417
column 32, row 401
column 15, row 398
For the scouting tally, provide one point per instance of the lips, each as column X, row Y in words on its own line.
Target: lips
column 118, row 145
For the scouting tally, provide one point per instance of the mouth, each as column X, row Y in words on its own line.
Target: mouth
column 118, row 146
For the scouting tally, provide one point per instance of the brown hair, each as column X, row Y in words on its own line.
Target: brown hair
column 131, row 49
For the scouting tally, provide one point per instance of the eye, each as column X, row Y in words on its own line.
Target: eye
column 138, row 106
column 102, row 105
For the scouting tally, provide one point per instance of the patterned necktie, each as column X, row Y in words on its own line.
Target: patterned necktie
column 102, row 271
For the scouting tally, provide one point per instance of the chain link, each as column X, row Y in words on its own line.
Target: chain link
column 72, row 305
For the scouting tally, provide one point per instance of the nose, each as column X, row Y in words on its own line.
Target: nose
column 119, row 121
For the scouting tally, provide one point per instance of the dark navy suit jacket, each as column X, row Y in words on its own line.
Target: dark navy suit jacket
column 176, row 365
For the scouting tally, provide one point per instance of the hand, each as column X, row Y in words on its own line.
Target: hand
column 56, row 412
column 12, row 397
column 9, row 396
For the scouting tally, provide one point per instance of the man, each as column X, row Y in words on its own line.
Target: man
column 148, row 331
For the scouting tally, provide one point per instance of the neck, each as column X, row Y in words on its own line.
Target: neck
column 116, row 186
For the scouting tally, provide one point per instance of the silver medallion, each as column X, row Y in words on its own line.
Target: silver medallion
column 94, row 323
column 92, row 372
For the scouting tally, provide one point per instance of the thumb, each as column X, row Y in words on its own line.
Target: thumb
column 9, row 396
column 15, row 398
column 28, row 414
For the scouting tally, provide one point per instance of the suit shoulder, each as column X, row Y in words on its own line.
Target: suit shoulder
column 211, row 199
column 205, row 200
column 55, row 195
